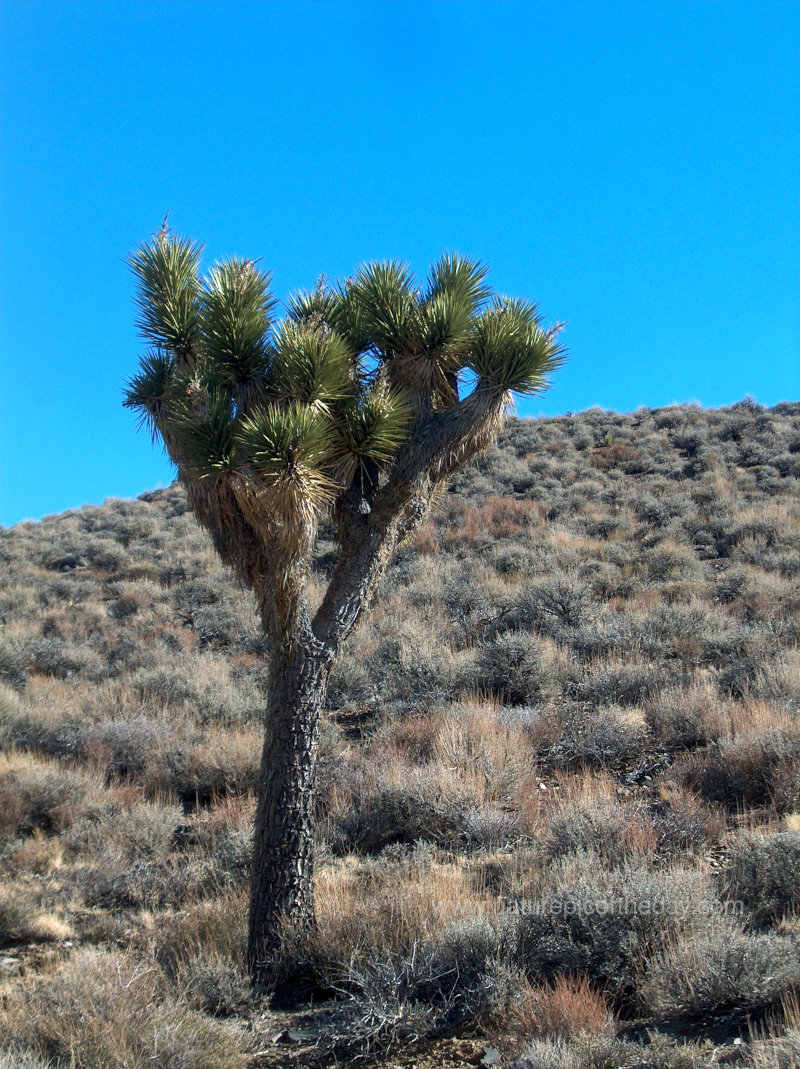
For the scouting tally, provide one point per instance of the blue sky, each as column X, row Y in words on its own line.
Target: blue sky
column 633, row 166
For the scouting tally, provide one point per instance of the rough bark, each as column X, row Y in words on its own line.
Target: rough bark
column 283, row 848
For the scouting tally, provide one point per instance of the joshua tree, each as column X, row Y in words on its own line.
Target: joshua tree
column 357, row 405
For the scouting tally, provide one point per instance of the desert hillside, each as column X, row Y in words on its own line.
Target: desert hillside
column 559, row 799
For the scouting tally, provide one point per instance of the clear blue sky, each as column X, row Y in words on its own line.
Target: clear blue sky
column 634, row 166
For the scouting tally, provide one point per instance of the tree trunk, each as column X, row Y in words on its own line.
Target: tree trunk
column 283, row 849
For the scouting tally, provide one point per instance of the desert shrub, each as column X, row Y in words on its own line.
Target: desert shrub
column 66, row 660
column 409, row 667
column 351, row 681
column 598, row 1051
column 201, row 685
column 511, row 667
column 608, row 580
column 211, row 929
column 598, row 823
column 552, row 602
column 744, row 771
column 220, row 625
column 513, row 559
column 569, row 1007
column 679, row 718
column 38, row 794
column 692, row 634
column 102, row 553
column 763, row 873
column 143, row 831
column 10, row 705
column 14, row 1057
column 669, row 561
column 620, row 685
column 101, row 1011
column 594, row 736
column 52, row 730
column 224, row 761
column 719, row 967
column 26, row 922
column 223, row 833
column 605, row 924
column 467, row 606
column 683, row 823
column 123, row 652
column 785, row 792
column 15, row 915
column 124, row 747
column 14, row 663
column 731, row 584
column 737, row 680
column 777, row 1052
column 485, row 747
column 401, row 997
column 489, row 826
column 112, row 881
column 400, row 813
column 214, row 986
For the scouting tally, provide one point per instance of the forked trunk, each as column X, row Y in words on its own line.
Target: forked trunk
column 283, row 848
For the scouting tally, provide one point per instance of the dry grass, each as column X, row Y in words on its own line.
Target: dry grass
column 102, row 1011
column 360, row 909
column 568, row 1007
column 579, row 684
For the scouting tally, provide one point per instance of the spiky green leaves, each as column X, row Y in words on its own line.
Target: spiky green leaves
column 203, row 429
column 511, row 351
column 288, row 451
column 146, row 392
column 460, row 278
column 311, row 364
column 402, row 319
column 236, row 311
column 385, row 303
column 169, row 294
column 373, row 429
column 290, row 417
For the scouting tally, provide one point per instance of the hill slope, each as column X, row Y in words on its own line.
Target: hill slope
column 574, row 707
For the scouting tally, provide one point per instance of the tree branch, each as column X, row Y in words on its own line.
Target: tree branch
column 369, row 531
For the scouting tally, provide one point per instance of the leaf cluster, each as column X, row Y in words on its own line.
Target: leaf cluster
column 331, row 393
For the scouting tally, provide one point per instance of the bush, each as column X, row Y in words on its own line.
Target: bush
column 679, row 718
column 616, row 686
column 35, row 794
column 744, row 771
column 597, row 736
column 600, row 824
column 214, row 986
column 590, row 1051
column 125, row 747
column 201, row 686
column 400, row 814
column 17, row 1058
column 567, row 1008
column 682, row 823
column 763, row 873
column 15, row 916
column 719, row 967
column 605, row 924
column 551, row 603
column 511, row 668
column 101, row 1011
column 65, row 660
column 143, row 832
column 14, row 663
